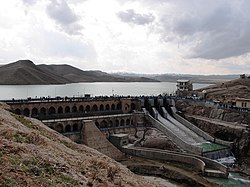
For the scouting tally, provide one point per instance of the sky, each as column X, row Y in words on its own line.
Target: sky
column 138, row 36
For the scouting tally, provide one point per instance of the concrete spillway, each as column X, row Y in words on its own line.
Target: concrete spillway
column 190, row 139
column 179, row 129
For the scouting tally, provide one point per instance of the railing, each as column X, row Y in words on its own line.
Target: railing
column 75, row 115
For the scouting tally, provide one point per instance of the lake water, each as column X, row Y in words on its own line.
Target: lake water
column 95, row 89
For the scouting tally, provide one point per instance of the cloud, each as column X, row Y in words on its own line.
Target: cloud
column 211, row 30
column 29, row 2
column 60, row 11
column 130, row 16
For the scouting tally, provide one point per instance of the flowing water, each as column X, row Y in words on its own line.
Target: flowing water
column 234, row 180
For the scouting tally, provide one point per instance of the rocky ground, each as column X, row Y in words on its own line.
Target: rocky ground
column 32, row 154
column 153, row 138
column 228, row 90
column 223, row 124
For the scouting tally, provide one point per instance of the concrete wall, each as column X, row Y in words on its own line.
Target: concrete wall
column 192, row 159
column 188, row 147
column 74, row 136
column 191, row 126
column 199, row 131
column 94, row 138
column 196, row 163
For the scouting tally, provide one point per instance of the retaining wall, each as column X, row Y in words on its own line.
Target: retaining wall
column 196, row 163
column 198, row 130
column 191, row 126
column 94, row 138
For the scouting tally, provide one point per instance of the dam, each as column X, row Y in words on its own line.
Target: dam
column 95, row 120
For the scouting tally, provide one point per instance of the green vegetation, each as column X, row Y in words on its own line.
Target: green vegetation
column 206, row 147
column 21, row 138
column 68, row 180
column 9, row 182
column 24, row 121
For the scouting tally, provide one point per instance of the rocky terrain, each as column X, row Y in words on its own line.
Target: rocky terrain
column 25, row 72
column 229, row 90
column 223, row 124
column 31, row 154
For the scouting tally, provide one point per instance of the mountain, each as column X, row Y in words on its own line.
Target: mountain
column 25, row 72
column 208, row 79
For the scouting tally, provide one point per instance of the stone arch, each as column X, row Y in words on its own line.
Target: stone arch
column 81, row 109
column 126, row 107
column 128, row 122
column 107, row 107
column 68, row 128
column 101, row 107
column 74, row 109
column 59, row 128
column 132, row 122
column 60, row 110
column 34, row 112
column 117, row 123
column 97, row 124
column 133, row 106
column 18, row 111
column 75, row 127
column 122, row 123
column 113, row 106
column 94, row 107
column 110, row 123
column 26, row 112
column 104, row 124
column 118, row 106
column 43, row 111
column 67, row 109
column 87, row 108
column 52, row 110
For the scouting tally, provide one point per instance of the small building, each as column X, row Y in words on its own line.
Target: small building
column 243, row 76
column 184, row 85
column 242, row 103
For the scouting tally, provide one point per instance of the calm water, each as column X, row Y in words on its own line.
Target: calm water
column 95, row 89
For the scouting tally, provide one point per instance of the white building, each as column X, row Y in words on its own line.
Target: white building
column 242, row 103
column 184, row 85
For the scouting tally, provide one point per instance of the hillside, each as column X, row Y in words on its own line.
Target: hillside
column 76, row 75
column 230, row 89
column 26, row 72
column 207, row 79
column 31, row 154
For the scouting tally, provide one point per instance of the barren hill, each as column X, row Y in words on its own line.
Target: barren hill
column 77, row 75
column 231, row 89
column 26, row 72
column 31, row 154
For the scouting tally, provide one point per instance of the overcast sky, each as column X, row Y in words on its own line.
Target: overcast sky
column 142, row 36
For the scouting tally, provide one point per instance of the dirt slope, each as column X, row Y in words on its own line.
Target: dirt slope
column 32, row 154
column 230, row 89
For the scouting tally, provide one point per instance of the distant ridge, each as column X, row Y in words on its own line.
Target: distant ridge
column 25, row 72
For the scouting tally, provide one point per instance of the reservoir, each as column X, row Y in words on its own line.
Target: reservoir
column 94, row 89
